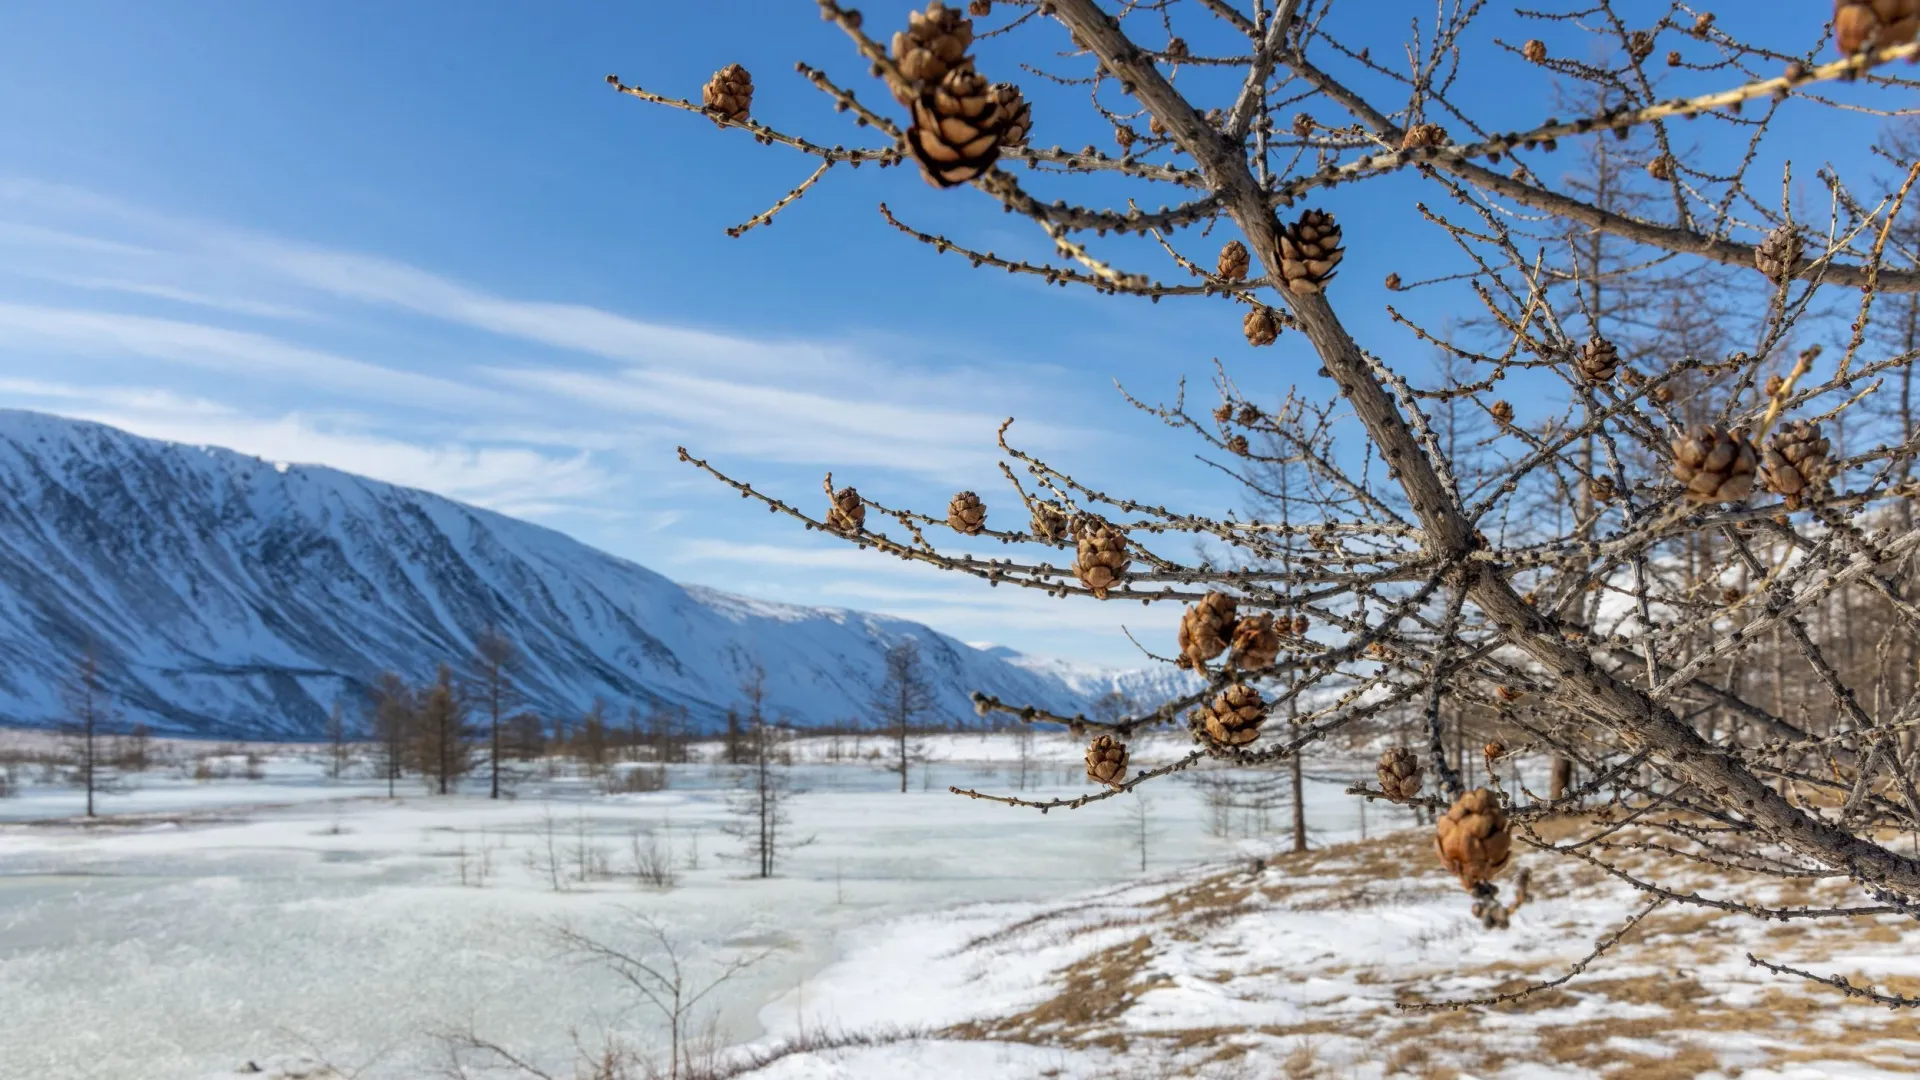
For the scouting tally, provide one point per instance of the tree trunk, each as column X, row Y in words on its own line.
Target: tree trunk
column 1299, row 810
column 1560, row 777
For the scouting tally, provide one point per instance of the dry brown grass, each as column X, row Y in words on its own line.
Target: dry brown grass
column 1646, row 978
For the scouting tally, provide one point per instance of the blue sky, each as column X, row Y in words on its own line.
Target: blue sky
column 427, row 243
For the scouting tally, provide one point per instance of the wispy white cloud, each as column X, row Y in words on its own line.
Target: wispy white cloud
column 79, row 331
column 777, row 423
column 782, row 401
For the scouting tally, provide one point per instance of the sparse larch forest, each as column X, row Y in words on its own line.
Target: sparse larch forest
column 1686, row 575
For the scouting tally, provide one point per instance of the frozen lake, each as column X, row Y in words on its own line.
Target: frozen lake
column 235, row 921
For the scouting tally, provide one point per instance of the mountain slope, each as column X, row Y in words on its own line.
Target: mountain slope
column 228, row 596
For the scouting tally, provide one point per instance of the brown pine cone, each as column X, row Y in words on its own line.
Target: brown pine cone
column 1233, row 717
column 1101, row 561
column 966, row 514
column 1237, row 444
column 1715, row 465
column 729, row 94
column 1597, row 361
column 1223, row 413
column 1779, row 253
column 1302, row 125
column 1423, row 135
column 1393, row 282
column 1640, row 45
column 1796, row 462
column 1502, row 413
column 1261, row 326
column 1702, row 23
column 979, row 9
column 1603, row 489
column 1249, row 414
column 1494, row 749
column 1124, row 137
column 1107, row 761
column 1256, row 641
column 1050, row 522
column 1473, row 839
column 1858, row 24
column 1309, row 251
column 957, row 128
column 1661, row 168
column 1155, row 128
column 1300, row 625
column 1206, row 627
column 1535, row 51
column 1234, row 262
column 847, row 513
column 1400, row 774
column 1016, row 115
column 1177, row 49
column 934, row 43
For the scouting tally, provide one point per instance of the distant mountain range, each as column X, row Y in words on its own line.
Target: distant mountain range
column 229, row 596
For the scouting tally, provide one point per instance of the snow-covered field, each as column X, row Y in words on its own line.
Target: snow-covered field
column 202, row 926
column 291, row 920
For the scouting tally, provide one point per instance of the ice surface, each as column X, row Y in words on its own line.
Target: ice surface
column 242, row 921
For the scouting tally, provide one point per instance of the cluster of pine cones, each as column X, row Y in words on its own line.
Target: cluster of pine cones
column 1310, row 249
column 960, row 121
column 1473, row 839
column 1719, row 466
column 1232, row 718
column 1214, row 625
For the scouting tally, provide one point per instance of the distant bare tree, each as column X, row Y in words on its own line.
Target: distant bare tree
column 762, row 823
column 904, row 697
column 445, row 738
column 88, row 713
column 494, row 657
column 135, row 752
column 395, row 714
column 590, row 742
column 1140, row 825
column 337, row 748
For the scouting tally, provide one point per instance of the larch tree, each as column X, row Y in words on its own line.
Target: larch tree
column 493, row 690
column 88, row 713
column 1251, row 135
column 336, row 732
column 442, row 732
column 761, row 822
column 904, row 697
column 396, row 709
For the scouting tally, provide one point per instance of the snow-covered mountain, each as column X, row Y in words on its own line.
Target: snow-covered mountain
column 229, row 596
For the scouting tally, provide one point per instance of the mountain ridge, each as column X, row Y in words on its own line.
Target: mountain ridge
column 234, row 597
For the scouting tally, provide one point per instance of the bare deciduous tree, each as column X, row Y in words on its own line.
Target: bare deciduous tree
column 395, row 712
column 903, row 698
column 88, row 713
column 762, row 825
column 337, row 749
column 445, row 739
column 1713, row 517
column 493, row 660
